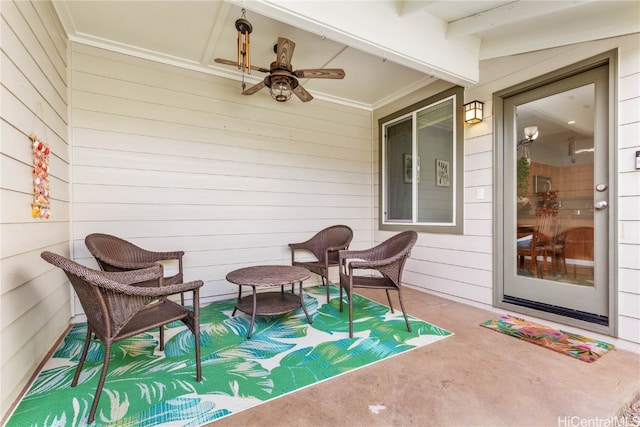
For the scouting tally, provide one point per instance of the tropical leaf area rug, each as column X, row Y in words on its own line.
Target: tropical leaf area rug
column 145, row 386
column 574, row 345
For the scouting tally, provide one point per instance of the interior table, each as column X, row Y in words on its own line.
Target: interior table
column 269, row 303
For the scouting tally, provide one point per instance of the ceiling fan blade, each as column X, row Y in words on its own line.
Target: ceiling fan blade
column 235, row 64
column 253, row 89
column 320, row 73
column 302, row 94
column 284, row 52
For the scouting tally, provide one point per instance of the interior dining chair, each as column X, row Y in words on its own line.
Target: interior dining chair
column 119, row 305
column 535, row 244
column 324, row 246
column 386, row 262
column 556, row 246
column 579, row 247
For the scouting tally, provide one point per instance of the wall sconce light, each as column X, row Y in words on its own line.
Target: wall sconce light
column 473, row 112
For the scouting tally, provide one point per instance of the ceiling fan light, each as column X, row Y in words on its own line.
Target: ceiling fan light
column 280, row 89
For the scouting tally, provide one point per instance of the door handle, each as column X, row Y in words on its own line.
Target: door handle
column 601, row 205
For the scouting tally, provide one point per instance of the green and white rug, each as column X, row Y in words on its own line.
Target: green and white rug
column 147, row 387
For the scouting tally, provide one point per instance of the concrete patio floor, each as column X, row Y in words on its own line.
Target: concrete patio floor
column 478, row 377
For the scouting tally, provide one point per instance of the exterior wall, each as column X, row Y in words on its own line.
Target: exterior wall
column 460, row 267
column 173, row 159
column 34, row 296
column 629, row 189
column 454, row 266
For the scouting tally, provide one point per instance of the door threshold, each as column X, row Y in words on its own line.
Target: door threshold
column 561, row 311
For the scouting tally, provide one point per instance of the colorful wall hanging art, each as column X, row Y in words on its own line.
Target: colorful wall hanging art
column 40, row 207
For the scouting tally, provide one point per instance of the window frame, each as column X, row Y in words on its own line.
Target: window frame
column 456, row 226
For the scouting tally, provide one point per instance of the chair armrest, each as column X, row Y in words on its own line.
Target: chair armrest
column 163, row 256
column 299, row 245
column 364, row 260
column 174, row 289
column 131, row 277
column 335, row 248
column 150, row 259
column 355, row 253
column 124, row 282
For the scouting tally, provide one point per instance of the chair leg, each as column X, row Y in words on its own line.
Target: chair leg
column 564, row 262
column 196, row 332
column 103, row 376
column 83, row 356
column 161, row 337
column 350, row 296
column 389, row 299
column 534, row 265
column 326, row 284
column 404, row 312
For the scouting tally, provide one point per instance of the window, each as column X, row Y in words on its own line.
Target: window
column 421, row 166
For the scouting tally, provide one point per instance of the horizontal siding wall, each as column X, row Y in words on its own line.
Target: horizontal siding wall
column 172, row 159
column 460, row 266
column 454, row 266
column 34, row 296
column 629, row 189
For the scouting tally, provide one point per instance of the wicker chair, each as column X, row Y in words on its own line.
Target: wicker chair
column 116, row 254
column 116, row 309
column 388, row 259
column 324, row 245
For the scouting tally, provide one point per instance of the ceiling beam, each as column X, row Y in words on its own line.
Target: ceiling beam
column 513, row 12
column 383, row 33
column 216, row 31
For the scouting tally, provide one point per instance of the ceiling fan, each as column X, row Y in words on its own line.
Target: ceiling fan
column 281, row 80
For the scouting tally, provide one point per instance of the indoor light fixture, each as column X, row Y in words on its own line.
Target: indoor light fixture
column 473, row 112
column 530, row 135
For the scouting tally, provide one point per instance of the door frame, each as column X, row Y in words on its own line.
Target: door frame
column 610, row 59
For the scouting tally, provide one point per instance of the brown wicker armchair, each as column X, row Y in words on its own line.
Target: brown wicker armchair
column 388, row 258
column 116, row 309
column 324, row 245
column 116, row 254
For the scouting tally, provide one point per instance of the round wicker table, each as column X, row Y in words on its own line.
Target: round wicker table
column 269, row 303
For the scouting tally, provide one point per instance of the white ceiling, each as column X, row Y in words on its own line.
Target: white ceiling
column 386, row 47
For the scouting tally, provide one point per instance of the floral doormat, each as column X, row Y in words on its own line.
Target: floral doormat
column 574, row 345
column 149, row 387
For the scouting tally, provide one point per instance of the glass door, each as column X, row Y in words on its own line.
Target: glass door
column 556, row 194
